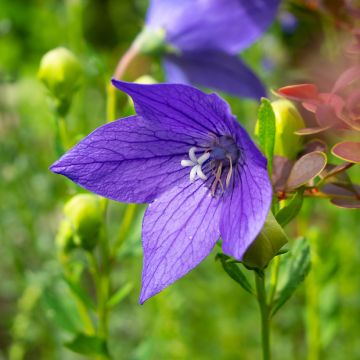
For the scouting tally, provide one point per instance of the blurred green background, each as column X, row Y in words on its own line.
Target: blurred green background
column 204, row 315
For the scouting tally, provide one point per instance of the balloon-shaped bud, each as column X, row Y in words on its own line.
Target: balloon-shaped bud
column 61, row 72
column 267, row 244
column 288, row 120
column 84, row 212
column 65, row 237
column 151, row 41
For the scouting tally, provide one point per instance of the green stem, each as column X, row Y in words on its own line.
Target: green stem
column 128, row 218
column 274, row 278
column 265, row 316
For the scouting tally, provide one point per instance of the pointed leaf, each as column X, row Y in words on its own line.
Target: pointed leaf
column 347, row 150
column 306, row 168
column 80, row 293
column 88, row 345
column 119, row 295
column 233, row 270
column 266, row 121
column 296, row 265
column 286, row 214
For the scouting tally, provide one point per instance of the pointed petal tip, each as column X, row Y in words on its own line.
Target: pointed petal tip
column 55, row 168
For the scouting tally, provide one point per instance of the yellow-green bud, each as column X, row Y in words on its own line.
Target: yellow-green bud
column 84, row 212
column 65, row 237
column 61, row 72
column 288, row 120
column 267, row 244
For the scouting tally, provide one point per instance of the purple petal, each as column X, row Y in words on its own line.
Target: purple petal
column 130, row 160
column 180, row 109
column 248, row 203
column 215, row 70
column 180, row 229
column 228, row 25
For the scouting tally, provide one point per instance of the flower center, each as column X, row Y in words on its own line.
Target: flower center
column 215, row 163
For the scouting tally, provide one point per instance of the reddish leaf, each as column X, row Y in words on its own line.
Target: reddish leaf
column 348, row 203
column 333, row 100
column 337, row 191
column 311, row 131
column 353, row 124
column 306, row 168
column 348, row 151
column 346, row 78
column 281, row 170
column 299, row 92
column 332, row 170
column 315, row 145
column 325, row 116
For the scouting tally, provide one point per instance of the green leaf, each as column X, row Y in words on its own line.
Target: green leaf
column 287, row 213
column 267, row 129
column 79, row 293
column 267, row 244
column 61, row 310
column 295, row 265
column 119, row 295
column 233, row 270
column 88, row 345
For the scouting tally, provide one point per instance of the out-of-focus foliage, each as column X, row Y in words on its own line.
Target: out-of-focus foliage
column 205, row 315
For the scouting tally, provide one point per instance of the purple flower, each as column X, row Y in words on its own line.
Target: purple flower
column 208, row 35
column 186, row 155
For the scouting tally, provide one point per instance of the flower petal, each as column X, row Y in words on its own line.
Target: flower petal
column 128, row 160
column 215, row 70
column 229, row 25
column 180, row 109
column 247, row 201
column 180, row 229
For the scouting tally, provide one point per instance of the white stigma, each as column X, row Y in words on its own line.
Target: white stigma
column 196, row 164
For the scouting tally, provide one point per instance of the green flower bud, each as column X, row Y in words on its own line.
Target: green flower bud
column 65, row 237
column 288, row 120
column 84, row 212
column 60, row 71
column 267, row 244
column 151, row 41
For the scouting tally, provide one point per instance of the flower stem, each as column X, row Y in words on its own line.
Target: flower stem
column 274, row 278
column 265, row 315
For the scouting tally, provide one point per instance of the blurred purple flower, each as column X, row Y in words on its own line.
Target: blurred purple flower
column 186, row 155
column 207, row 36
column 289, row 22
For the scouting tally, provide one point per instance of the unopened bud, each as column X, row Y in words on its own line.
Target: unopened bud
column 84, row 213
column 288, row 120
column 60, row 71
column 151, row 41
column 267, row 244
column 65, row 237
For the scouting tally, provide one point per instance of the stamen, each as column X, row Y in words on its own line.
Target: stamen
column 193, row 173
column 186, row 163
column 229, row 174
column 196, row 164
column 192, row 155
column 203, row 158
column 200, row 173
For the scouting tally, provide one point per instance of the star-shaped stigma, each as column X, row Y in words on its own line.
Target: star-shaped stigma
column 196, row 164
